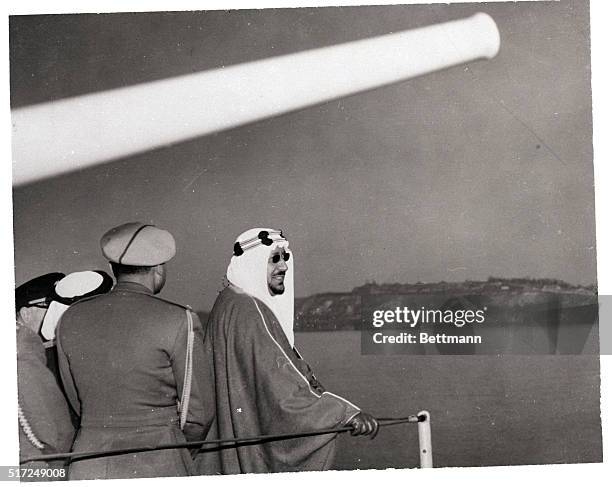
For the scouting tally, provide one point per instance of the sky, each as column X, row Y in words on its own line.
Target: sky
column 478, row 170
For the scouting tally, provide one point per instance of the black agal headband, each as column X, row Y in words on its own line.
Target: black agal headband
column 263, row 238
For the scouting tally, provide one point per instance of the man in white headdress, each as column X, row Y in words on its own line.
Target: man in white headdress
column 67, row 291
column 263, row 386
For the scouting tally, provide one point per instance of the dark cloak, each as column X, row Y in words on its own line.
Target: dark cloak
column 263, row 387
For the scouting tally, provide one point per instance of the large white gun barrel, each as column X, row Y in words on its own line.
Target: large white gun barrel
column 73, row 133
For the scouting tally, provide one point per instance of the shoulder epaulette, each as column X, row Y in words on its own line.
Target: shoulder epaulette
column 184, row 306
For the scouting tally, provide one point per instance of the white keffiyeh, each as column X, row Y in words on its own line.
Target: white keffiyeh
column 249, row 272
column 70, row 288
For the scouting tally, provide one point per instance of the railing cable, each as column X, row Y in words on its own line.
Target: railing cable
column 220, row 443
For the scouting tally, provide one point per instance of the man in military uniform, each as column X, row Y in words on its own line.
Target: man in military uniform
column 126, row 360
column 44, row 419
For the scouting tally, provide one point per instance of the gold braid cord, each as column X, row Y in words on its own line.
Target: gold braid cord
column 184, row 404
column 27, row 429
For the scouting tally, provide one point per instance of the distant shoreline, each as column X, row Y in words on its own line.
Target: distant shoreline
column 341, row 311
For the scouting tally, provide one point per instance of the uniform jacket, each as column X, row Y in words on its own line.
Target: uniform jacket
column 42, row 404
column 122, row 361
column 52, row 365
column 264, row 387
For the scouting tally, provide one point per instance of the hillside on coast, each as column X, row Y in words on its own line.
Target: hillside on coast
column 342, row 311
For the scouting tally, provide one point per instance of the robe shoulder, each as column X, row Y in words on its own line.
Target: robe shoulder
column 240, row 315
column 233, row 309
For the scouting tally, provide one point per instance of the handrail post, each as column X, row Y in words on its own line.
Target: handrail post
column 424, row 427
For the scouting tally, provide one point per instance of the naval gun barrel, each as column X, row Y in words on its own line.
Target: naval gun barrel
column 69, row 134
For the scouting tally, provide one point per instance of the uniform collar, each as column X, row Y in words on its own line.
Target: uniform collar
column 132, row 287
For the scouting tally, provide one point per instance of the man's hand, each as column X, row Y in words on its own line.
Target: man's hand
column 364, row 424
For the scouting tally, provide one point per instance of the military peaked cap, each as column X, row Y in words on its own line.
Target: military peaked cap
column 138, row 244
column 37, row 291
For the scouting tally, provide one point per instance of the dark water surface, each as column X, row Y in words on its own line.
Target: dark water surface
column 486, row 410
